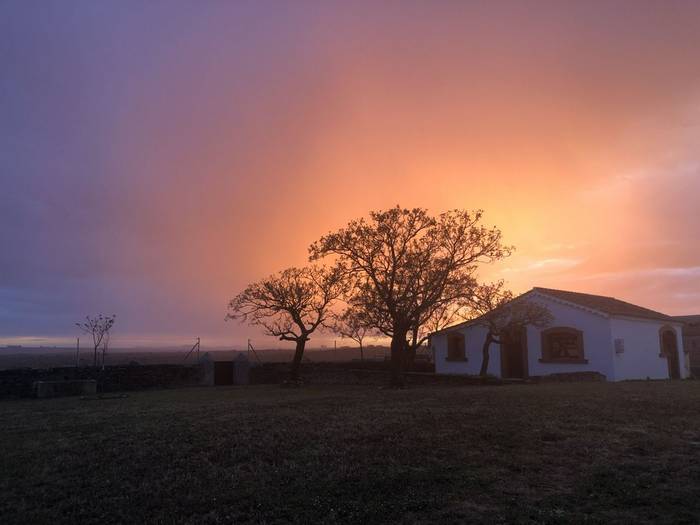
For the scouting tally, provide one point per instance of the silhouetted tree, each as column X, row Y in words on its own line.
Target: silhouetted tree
column 443, row 315
column 401, row 264
column 350, row 324
column 105, row 346
column 504, row 317
column 290, row 305
column 98, row 327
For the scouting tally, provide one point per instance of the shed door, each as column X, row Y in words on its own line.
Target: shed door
column 223, row 372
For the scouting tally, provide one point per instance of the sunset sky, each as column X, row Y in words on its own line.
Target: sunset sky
column 155, row 157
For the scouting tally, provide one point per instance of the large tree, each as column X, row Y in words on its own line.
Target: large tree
column 402, row 264
column 290, row 305
column 504, row 316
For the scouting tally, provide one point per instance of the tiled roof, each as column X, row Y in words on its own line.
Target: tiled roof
column 607, row 305
column 600, row 303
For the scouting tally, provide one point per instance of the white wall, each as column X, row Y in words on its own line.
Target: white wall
column 474, row 336
column 640, row 358
column 597, row 343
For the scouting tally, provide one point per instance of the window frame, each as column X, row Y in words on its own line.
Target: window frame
column 546, row 351
column 463, row 354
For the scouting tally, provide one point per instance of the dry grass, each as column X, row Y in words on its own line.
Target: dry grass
column 518, row 454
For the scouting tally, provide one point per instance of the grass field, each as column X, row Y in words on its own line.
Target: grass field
column 626, row 453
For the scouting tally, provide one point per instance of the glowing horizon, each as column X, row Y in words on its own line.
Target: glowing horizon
column 157, row 158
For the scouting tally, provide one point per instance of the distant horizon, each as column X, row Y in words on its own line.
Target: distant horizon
column 185, row 348
column 125, row 341
column 323, row 340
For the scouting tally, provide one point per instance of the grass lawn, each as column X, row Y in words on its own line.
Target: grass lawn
column 563, row 453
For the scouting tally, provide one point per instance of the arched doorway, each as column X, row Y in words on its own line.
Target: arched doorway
column 669, row 350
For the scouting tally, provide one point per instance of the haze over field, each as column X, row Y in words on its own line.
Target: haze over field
column 48, row 357
column 156, row 157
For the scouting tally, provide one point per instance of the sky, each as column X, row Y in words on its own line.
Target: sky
column 155, row 157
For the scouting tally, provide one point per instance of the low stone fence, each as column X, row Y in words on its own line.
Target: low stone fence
column 355, row 373
column 569, row 377
column 73, row 387
column 384, row 365
column 19, row 382
column 352, row 374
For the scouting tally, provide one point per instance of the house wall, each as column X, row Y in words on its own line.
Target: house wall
column 597, row 345
column 474, row 337
column 639, row 360
column 692, row 344
column 597, row 342
column 642, row 347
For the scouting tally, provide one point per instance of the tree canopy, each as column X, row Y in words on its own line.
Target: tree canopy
column 351, row 324
column 405, row 265
column 290, row 305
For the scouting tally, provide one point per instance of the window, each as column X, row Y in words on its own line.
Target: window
column 455, row 347
column 562, row 344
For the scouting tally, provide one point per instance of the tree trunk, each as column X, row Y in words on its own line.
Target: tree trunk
column 485, row 354
column 94, row 357
column 398, row 344
column 410, row 356
column 296, row 362
column 362, row 355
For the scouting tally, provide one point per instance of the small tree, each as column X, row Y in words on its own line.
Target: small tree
column 350, row 324
column 105, row 346
column 290, row 305
column 504, row 317
column 442, row 316
column 403, row 263
column 98, row 327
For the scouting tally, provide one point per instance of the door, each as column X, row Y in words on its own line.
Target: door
column 514, row 357
column 669, row 348
column 223, row 372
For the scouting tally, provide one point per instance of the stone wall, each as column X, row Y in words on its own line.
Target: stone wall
column 18, row 382
column 371, row 374
column 569, row 377
column 355, row 374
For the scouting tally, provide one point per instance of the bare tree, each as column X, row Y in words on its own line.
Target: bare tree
column 351, row 325
column 505, row 317
column 98, row 327
column 442, row 316
column 403, row 263
column 290, row 305
column 105, row 346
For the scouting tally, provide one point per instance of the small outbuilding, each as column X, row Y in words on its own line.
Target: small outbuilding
column 589, row 333
column 691, row 340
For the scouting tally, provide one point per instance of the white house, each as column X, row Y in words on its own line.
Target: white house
column 589, row 333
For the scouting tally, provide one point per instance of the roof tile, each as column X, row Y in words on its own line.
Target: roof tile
column 607, row 305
